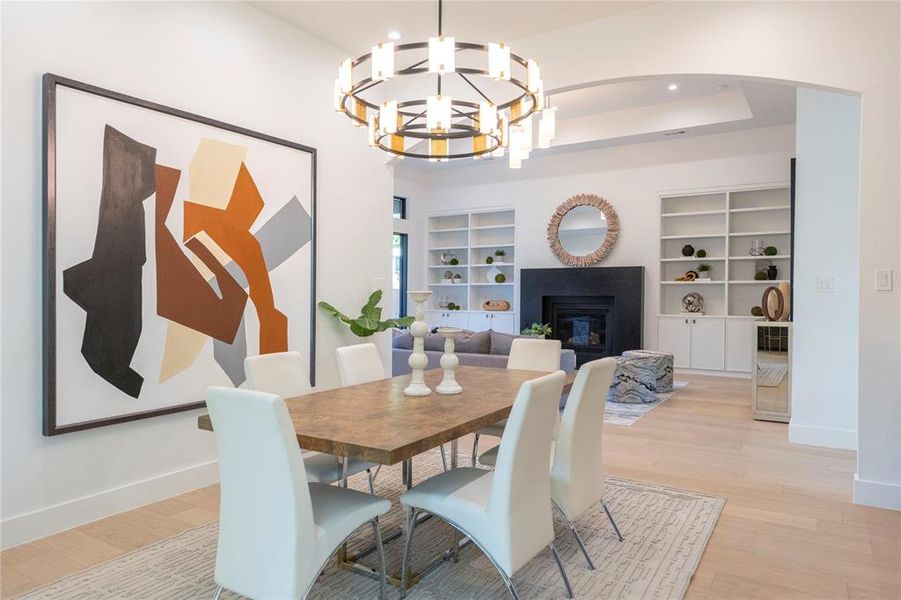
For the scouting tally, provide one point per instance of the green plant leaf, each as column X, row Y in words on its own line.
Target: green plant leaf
column 357, row 329
column 374, row 298
column 331, row 310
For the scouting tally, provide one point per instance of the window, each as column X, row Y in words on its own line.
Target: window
column 400, row 207
column 399, row 270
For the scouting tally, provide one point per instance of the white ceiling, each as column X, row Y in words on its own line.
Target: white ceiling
column 354, row 26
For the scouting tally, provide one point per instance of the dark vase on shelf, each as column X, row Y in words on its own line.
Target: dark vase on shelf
column 688, row 250
column 772, row 272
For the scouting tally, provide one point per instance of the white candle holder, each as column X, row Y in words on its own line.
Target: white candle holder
column 418, row 360
column 449, row 362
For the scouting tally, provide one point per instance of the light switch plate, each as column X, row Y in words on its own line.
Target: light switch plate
column 826, row 285
column 884, row 280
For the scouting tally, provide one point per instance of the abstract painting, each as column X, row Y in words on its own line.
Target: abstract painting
column 181, row 245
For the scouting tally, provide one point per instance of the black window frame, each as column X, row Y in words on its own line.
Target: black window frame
column 400, row 201
column 404, row 259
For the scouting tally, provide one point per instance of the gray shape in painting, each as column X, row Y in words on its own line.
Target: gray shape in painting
column 231, row 356
column 280, row 237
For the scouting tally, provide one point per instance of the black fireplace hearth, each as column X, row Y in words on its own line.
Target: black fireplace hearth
column 595, row 311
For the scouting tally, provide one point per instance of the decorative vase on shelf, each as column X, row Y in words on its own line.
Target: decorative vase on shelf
column 449, row 362
column 688, row 250
column 772, row 272
column 418, row 360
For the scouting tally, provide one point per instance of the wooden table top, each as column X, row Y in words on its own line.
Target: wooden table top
column 376, row 422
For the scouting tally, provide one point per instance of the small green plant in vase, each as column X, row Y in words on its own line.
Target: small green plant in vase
column 499, row 256
column 369, row 322
column 704, row 270
column 538, row 330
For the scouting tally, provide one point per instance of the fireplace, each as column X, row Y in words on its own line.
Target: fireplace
column 580, row 323
column 595, row 311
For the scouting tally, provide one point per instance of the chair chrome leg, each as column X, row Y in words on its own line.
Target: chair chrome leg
column 376, row 474
column 217, row 593
column 405, row 563
column 475, row 449
column 383, row 573
column 371, row 481
column 443, row 457
column 569, row 589
column 344, row 472
column 572, row 528
column 612, row 521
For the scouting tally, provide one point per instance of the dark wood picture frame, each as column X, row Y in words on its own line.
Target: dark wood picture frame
column 50, row 84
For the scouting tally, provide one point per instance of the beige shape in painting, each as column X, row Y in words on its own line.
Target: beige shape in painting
column 213, row 171
column 215, row 249
column 183, row 345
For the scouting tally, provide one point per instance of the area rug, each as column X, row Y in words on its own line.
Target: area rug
column 771, row 374
column 617, row 413
column 666, row 532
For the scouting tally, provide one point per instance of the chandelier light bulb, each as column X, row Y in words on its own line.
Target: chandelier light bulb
column 487, row 117
column 373, row 131
column 504, row 130
column 388, row 116
column 498, row 61
column 442, row 55
column 438, row 112
column 547, row 127
column 383, row 61
column 345, row 75
column 338, row 104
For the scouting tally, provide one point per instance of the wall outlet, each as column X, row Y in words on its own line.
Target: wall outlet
column 826, row 285
column 884, row 280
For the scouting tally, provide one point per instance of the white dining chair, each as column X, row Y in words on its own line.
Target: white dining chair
column 505, row 512
column 528, row 354
column 361, row 363
column 577, row 467
column 285, row 374
column 276, row 530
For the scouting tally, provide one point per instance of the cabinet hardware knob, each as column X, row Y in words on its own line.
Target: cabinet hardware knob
column 686, row 321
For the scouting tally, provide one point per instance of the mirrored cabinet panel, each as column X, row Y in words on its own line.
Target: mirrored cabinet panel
column 771, row 373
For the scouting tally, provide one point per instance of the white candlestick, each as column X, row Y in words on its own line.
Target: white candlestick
column 449, row 362
column 418, row 360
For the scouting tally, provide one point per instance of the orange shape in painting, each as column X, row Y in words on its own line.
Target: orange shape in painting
column 230, row 229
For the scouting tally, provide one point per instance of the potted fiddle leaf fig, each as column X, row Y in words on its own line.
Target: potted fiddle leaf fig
column 369, row 322
column 537, row 330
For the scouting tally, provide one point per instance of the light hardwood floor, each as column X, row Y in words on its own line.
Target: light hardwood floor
column 788, row 530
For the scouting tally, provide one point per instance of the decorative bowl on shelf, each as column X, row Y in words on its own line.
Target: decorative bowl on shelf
column 495, row 305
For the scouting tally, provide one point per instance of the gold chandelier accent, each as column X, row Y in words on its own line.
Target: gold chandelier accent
column 450, row 128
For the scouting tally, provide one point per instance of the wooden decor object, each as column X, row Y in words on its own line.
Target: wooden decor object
column 765, row 304
column 495, row 305
column 553, row 230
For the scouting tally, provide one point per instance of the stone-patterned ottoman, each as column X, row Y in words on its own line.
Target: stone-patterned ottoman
column 662, row 369
column 632, row 383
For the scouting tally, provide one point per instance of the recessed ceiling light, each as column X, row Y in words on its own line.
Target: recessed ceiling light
column 673, row 87
column 393, row 35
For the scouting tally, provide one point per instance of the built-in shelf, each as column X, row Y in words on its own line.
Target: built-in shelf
column 692, row 259
column 749, row 257
column 694, row 236
column 760, row 233
column 694, row 213
column 760, row 209
column 757, row 281
column 695, row 282
column 472, row 236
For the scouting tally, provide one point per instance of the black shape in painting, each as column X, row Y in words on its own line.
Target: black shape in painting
column 108, row 285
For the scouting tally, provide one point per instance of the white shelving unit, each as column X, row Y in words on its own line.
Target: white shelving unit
column 472, row 236
column 725, row 224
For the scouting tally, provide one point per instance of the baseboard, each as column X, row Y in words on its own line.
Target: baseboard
column 72, row 513
column 843, row 439
column 877, row 493
column 735, row 374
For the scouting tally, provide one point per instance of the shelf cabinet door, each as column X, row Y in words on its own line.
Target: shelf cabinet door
column 674, row 337
column 479, row 321
column 446, row 318
column 738, row 344
column 708, row 338
column 503, row 322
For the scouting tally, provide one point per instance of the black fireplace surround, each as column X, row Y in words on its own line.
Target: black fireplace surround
column 595, row 311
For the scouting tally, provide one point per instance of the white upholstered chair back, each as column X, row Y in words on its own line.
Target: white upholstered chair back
column 360, row 363
column 535, row 355
column 266, row 518
column 281, row 373
column 519, row 504
column 577, row 475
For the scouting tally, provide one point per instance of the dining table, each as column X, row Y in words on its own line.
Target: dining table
column 376, row 422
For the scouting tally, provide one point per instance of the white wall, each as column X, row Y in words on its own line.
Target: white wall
column 845, row 45
column 629, row 177
column 223, row 60
column 824, row 346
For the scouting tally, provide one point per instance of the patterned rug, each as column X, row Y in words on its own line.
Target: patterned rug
column 666, row 532
column 617, row 413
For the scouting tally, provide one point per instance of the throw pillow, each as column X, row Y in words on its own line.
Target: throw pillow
column 501, row 342
column 402, row 340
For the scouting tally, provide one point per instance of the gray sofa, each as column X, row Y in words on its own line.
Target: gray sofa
column 478, row 349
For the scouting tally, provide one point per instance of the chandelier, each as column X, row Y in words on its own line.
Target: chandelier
column 440, row 126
